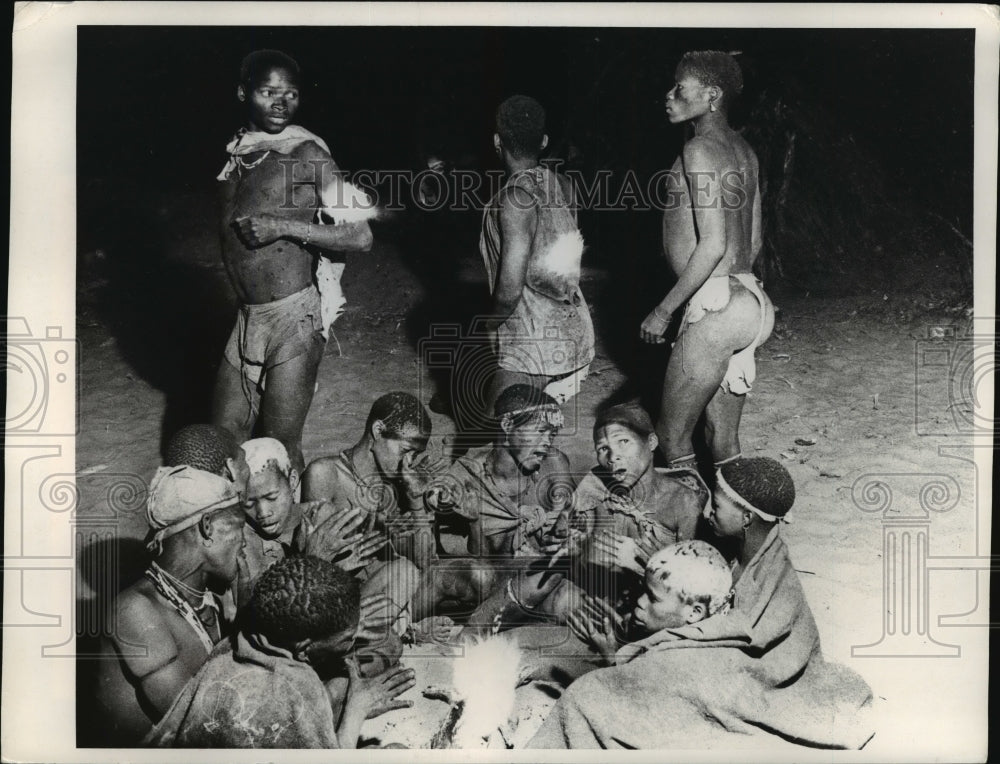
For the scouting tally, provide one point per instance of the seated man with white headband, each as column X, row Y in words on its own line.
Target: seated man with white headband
column 758, row 678
column 167, row 623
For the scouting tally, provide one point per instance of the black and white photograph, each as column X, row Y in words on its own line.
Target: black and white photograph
column 500, row 377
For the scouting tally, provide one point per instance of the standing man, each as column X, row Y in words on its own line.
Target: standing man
column 277, row 177
column 532, row 249
column 711, row 236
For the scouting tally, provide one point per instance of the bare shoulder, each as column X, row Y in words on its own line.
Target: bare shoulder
column 704, row 152
column 515, row 199
column 142, row 622
column 324, row 478
column 312, row 151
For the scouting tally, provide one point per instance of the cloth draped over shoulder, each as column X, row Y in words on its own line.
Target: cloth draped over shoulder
column 754, row 677
column 251, row 695
column 285, row 142
column 496, row 524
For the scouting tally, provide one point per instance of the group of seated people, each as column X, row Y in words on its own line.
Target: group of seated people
column 276, row 606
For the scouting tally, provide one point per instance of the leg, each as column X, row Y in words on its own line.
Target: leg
column 230, row 407
column 286, row 400
column 697, row 366
column 722, row 424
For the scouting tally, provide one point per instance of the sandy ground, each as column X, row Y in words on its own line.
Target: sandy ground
column 839, row 396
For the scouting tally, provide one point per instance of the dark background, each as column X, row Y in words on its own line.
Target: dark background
column 156, row 105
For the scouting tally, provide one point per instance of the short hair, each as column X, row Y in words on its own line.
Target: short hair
column 628, row 415
column 203, row 446
column 303, row 598
column 521, row 125
column 713, row 67
column 697, row 571
column 762, row 482
column 521, row 400
column 397, row 410
column 257, row 64
column 261, row 452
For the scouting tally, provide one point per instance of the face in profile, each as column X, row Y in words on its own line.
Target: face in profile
column 725, row 517
column 530, row 443
column 395, row 452
column 623, row 454
column 686, row 99
column 226, row 542
column 273, row 100
column 324, row 652
column 268, row 502
column 662, row 607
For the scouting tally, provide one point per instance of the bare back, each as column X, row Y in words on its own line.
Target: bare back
column 729, row 183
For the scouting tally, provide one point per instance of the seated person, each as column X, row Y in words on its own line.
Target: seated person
column 507, row 503
column 383, row 476
column 167, row 623
column 683, row 583
column 626, row 505
column 262, row 689
column 758, row 676
column 277, row 526
column 211, row 448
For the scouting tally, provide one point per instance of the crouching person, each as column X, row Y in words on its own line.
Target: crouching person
column 261, row 689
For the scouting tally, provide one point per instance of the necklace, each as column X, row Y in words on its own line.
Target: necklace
column 166, row 586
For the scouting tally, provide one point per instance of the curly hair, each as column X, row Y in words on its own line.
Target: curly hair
column 629, row 415
column 521, row 125
column 713, row 67
column 202, row 446
column 396, row 410
column 762, row 482
column 256, row 66
column 696, row 570
column 303, row 598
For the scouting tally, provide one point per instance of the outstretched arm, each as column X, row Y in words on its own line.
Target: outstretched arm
column 701, row 169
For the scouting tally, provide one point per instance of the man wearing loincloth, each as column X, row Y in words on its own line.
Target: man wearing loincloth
column 532, row 249
column 711, row 236
column 277, row 177
column 263, row 688
column 168, row 622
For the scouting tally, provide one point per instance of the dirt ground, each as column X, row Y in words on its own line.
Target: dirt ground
column 841, row 393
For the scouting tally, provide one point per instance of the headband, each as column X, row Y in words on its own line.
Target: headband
column 739, row 501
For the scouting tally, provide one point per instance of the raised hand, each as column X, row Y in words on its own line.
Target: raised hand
column 419, row 472
column 361, row 552
column 330, row 537
column 378, row 613
column 622, row 550
column 599, row 634
column 260, row 230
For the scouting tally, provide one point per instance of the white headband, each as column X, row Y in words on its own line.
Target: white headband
column 742, row 503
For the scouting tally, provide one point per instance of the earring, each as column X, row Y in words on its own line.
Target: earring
column 711, row 106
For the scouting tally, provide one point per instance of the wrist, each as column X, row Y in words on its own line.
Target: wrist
column 305, row 233
column 662, row 313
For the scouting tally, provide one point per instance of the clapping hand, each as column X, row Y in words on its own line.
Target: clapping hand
column 597, row 624
column 623, row 551
column 378, row 613
column 419, row 472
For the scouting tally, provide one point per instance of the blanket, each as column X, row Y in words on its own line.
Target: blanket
column 754, row 677
column 251, row 695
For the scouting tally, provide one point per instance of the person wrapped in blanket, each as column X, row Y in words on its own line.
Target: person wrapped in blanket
column 752, row 677
column 275, row 683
